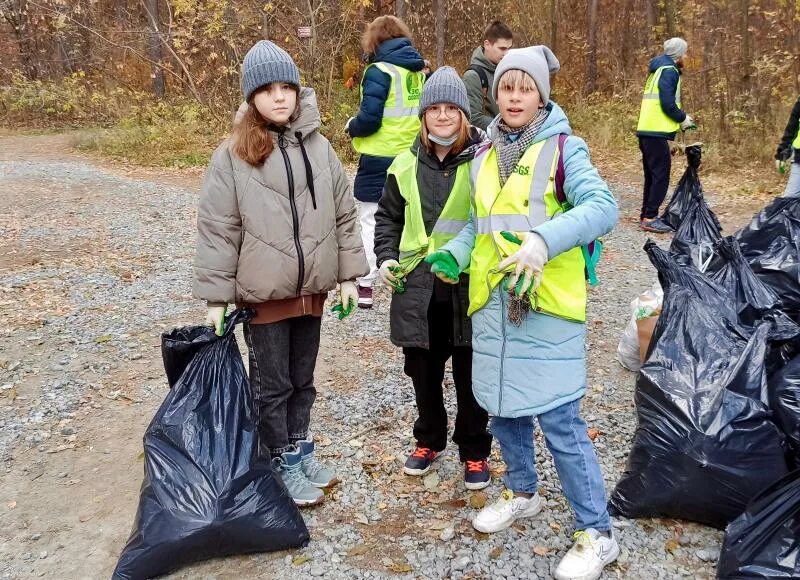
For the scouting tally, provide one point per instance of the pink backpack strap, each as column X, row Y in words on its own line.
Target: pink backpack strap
column 560, row 173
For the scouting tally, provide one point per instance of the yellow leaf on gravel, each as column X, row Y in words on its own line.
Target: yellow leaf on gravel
column 477, row 500
column 671, row 545
column 301, row 559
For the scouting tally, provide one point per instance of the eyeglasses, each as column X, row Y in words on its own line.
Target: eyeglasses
column 449, row 111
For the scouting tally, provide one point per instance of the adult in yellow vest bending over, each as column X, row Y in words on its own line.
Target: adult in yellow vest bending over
column 529, row 338
column 386, row 123
column 425, row 203
column 788, row 153
column 660, row 118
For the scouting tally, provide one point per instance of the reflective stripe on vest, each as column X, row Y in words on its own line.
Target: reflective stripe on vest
column 527, row 200
column 415, row 244
column 400, row 123
column 652, row 117
column 796, row 142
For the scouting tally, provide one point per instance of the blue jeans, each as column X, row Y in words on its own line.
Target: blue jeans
column 793, row 185
column 573, row 453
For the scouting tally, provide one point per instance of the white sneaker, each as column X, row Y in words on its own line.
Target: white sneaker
column 505, row 511
column 586, row 559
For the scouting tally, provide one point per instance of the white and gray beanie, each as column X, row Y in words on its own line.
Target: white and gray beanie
column 538, row 61
column 267, row 63
column 444, row 86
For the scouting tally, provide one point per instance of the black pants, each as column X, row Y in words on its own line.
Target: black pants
column 657, row 161
column 426, row 369
column 283, row 356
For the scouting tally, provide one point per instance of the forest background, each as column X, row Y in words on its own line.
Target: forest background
column 156, row 81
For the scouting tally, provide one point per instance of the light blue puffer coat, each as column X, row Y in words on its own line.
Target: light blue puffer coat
column 540, row 365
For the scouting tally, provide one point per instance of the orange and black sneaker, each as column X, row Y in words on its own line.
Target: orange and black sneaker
column 476, row 474
column 419, row 462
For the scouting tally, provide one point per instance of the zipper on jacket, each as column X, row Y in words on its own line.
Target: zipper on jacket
column 301, row 273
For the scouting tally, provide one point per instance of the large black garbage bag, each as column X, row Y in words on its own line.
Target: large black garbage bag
column 671, row 271
column 731, row 271
column 685, row 191
column 705, row 443
column 205, row 493
column 179, row 346
column 764, row 542
column 700, row 230
column 784, row 400
column 771, row 245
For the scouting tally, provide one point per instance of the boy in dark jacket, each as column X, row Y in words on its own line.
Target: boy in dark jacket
column 425, row 200
column 789, row 152
column 660, row 118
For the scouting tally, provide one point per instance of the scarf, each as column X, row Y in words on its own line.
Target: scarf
column 511, row 144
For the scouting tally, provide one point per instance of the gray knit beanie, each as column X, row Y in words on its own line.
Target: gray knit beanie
column 444, row 86
column 675, row 47
column 267, row 63
column 538, row 61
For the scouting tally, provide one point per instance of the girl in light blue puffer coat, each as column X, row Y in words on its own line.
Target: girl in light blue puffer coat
column 537, row 200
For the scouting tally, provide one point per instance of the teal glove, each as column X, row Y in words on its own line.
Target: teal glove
column 444, row 266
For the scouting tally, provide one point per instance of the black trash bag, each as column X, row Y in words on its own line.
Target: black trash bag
column 687, row 187
column 205, row 493
column 705, row 443
column 764, row 541
column 771, row 245
column 699, row 231
column 731, row 271
column 671, row 271
column 784, row 400
column 178, row 347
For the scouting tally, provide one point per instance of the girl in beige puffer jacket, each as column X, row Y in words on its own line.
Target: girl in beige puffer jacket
column 278, row 229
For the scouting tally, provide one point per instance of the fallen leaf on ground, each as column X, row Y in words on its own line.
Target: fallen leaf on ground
column 436, row 525
column 671, row 545
column 400, row 567
column 361, row 519
column 358, row 550
column 11, row 505
column 477, row 500
column 301, row 559
column 540, row 550
column 454, row 504
column 84, row 519
column 431, row 481
column 140, row 457
column 593, row 433
column 555, row 526
column 496, row 552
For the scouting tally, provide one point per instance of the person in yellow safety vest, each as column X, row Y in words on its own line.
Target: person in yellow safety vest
column 788, row 152
column 425, row 203
column 527, row 292
column 660, row 118
column 386, row 123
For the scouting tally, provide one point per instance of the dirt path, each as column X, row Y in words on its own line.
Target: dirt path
column 95, row 263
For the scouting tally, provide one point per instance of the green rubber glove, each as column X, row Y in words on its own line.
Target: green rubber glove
column 348, row 294
column 444, row 266
column 399, row 284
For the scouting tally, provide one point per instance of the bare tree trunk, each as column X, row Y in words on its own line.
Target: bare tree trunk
column 591, row 57
column 400, row 9
column 744, row 32
column 669, row 17
column 441, row 30
column 266, row 26
column 154, row 49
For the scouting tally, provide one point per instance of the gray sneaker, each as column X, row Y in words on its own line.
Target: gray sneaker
column 317, row 474
column 290, row 467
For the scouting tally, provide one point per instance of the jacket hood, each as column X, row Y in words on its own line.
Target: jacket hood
column 659, row 61
column 400, row 52
column 306, row 118
column 476, row 138
column 555, row 124
column 479, row 58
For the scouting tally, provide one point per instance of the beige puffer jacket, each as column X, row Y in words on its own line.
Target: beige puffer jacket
column 263, row 234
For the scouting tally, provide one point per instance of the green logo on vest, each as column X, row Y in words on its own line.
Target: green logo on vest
column 522, row 170
column 413, row 86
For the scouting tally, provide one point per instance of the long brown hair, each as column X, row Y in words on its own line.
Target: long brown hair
column 251, row 139
column 381, row 29
column 457, row 147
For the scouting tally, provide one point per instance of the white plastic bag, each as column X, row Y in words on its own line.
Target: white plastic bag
column 648, row 303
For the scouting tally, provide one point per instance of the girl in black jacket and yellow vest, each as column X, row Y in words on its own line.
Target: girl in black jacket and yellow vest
column 425, row 202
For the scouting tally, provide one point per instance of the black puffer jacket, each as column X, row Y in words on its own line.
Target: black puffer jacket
column 409, row 310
